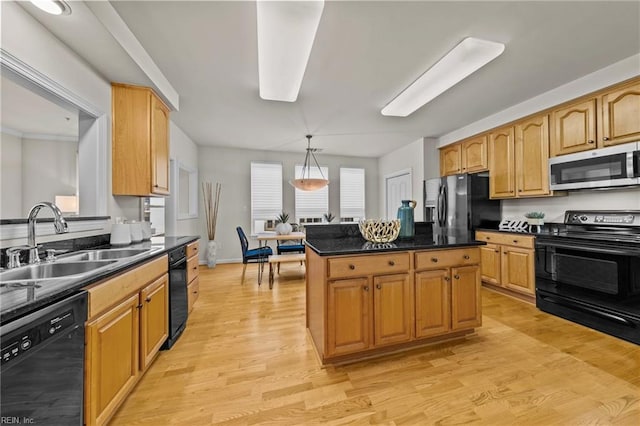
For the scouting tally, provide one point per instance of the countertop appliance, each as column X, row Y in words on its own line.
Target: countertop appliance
column 588, row 271
column 460, row 203
column 599, row 168
column 178, row 308
column 42, row 371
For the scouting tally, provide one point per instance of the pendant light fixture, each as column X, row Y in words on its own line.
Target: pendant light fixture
column 308, row 183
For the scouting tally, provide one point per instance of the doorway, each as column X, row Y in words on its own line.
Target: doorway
column 397, row 188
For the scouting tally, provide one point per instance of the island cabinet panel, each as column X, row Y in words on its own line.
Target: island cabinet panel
column 393, row 307
column 466, row 310
column 353, row 266
column 446, row 258
column 348, row 322
column 433, row 305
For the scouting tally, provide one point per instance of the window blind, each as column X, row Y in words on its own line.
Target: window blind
column 312, row 204
column 266, row 192
column 352, row 193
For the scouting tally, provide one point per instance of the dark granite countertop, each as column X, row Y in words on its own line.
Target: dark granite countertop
column 26, row 296
column 358, row 245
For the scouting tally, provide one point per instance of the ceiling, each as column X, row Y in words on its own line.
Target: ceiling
column 364, row 54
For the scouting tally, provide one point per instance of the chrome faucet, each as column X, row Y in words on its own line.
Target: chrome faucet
column 58, row 222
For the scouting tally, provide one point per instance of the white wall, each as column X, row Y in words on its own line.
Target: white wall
column 431, row 158
column 10, row 176
column 232, row 168
column 184, row 150
column 408, row 157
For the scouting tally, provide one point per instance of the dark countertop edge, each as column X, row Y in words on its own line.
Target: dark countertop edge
column 416, row 247
column 50, row 219
column 77, row 286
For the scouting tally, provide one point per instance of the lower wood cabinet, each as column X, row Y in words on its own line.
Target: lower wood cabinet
column 193, row 278
column 124, row 337
column 394, row 299
column 508, row 261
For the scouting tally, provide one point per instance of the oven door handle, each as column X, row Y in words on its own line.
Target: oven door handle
column 591, row 249
column 589, row 310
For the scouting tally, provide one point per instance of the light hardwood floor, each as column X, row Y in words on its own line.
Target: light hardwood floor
column 245, row 359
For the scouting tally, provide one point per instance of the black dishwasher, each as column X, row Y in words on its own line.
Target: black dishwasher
column 178, row 308
column 42, row 371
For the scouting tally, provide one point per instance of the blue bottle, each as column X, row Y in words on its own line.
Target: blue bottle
column 405, row 215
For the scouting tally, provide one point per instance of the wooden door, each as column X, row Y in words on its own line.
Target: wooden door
column 193, row 290
column 518, row 269
column 392, row 309
column 621, row 115
column 159, row 147
column 154, row 319
column 450, row 160
column 474, row 155
column 532, row 156
column 111, row 360
column 490, row 263
column 573, row 128
column 348, row 318
column 466, row 310
column 501, row 163
column 433, row 303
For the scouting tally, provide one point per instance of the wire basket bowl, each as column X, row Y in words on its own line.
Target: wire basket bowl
column 378, row 230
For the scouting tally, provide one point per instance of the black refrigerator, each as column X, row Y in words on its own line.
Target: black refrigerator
column 460, row 203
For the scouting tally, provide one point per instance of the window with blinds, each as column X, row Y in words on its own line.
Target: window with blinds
column 266, row 194
column 351, row 194
column 311, row 204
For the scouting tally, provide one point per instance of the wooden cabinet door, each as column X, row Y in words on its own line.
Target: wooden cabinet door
column 621, row 116
column 159, row 147
column 474, row 155
column 348, row 318
column 518, row 269
column 111, row 360
column 501, row 163
column 466, row 310
column 154, row 319
column 532, row 156
column 433, row 303
column 193, row 290
column 573, row 128
column 392, row 309
column 450, row 160
column 490, row 263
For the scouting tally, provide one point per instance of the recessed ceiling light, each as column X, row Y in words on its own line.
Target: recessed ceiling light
column 54, row 7
column 464, row 59
column 286, row 30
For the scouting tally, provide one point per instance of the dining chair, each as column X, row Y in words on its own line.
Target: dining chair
column 257, row 255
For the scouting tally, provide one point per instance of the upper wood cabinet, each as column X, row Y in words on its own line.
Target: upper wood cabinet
column 450, row 160
column 501, row 163
column 621, row 115
column 140, row 143
column 574, row 128
column 532, row 156
column 469, row 156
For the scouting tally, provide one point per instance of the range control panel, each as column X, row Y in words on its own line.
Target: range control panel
column 607, row 218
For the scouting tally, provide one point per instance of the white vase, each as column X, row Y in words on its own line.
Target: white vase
column 283, row 228
column 212, row 247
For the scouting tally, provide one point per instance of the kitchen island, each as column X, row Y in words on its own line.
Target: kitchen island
column 365, row 299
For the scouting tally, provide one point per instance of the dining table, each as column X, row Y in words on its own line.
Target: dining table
column 264, row 237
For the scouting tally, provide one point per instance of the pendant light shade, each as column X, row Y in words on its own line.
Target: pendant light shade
column 306, row 182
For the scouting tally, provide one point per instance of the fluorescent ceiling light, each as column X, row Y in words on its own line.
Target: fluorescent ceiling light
column 464, row 59
column 54, row 7
column 286, row 30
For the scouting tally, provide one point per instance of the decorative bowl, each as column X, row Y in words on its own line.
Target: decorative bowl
column 378, row 230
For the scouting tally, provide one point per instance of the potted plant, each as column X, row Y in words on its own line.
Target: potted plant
column 535, row 218
column 283, row 227
column 329, row 217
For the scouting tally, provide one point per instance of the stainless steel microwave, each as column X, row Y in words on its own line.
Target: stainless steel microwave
column 599, row 168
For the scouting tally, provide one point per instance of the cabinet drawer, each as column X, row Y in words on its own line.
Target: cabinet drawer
column 437, row 259
column 193, row 249
column 192, row 268
column 193, row 289
column 107, row 293
column 505, row 238
column 368, row 265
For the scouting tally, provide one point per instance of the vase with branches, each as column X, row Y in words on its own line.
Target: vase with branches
column 211, row 197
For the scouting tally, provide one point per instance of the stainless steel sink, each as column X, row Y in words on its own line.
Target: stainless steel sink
column 104, row 254
column 43, row 271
